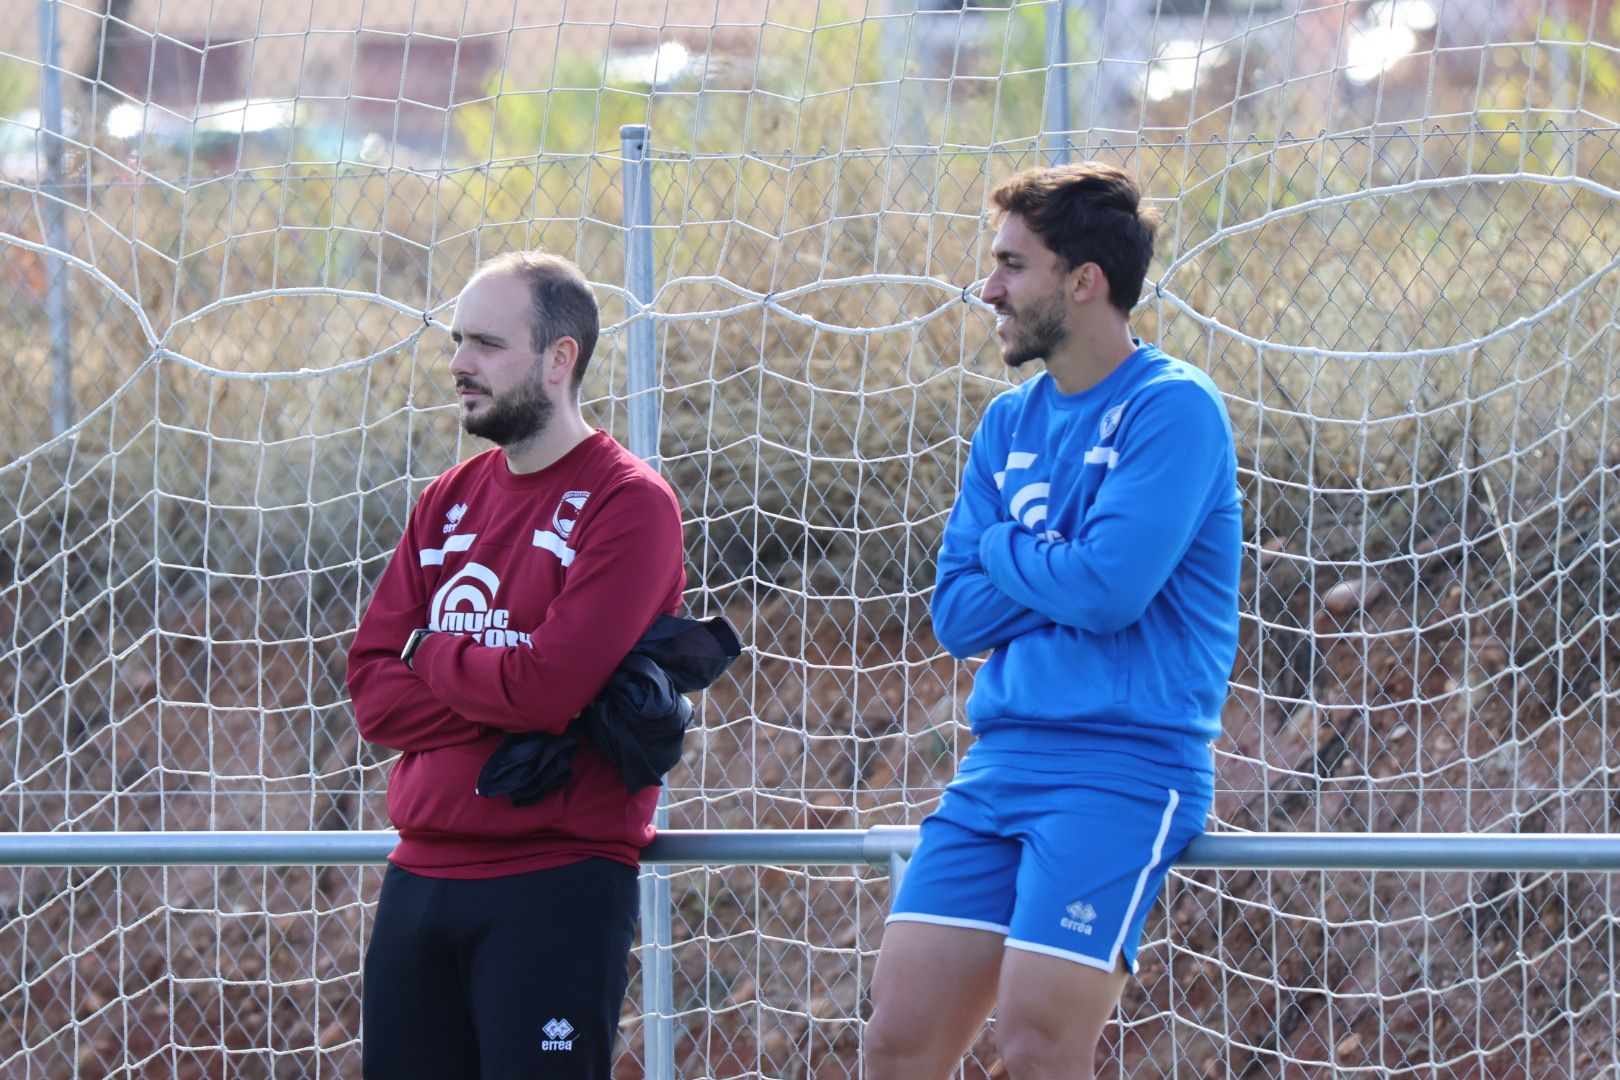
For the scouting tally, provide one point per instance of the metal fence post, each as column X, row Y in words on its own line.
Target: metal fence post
column 1058, row 126
column 641, row 341
column 643, row 405
column 48, row 145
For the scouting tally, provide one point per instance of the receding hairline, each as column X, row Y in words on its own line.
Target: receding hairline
column 1001, row 217
column 535, row 263
column 525, row 269
column 561, row 302
column 480, row 277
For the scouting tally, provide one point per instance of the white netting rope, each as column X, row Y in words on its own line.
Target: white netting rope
column 1413, row 315
column 765, row 304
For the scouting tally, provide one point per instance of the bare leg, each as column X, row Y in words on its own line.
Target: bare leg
column 1051, row 1015
column 933, row 989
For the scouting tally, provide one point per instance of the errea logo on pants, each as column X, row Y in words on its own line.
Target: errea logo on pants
column 557, row 1032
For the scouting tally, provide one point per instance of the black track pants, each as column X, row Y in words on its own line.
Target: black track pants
column 510, row 978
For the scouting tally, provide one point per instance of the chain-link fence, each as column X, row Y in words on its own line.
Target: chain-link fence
column 1412, row 314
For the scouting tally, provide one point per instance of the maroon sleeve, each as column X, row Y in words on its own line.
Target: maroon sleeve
column 392, row 707
column 627, row 570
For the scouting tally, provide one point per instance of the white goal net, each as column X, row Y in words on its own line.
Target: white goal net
column 230, row 235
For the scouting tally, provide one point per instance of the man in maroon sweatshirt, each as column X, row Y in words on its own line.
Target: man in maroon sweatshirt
column 502, row 937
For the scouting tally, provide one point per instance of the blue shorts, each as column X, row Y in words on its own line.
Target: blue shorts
column 1064, row 861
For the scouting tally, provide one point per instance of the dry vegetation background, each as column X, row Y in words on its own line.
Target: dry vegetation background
column 1430, row 589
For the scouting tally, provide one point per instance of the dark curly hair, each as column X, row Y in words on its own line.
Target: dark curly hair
column 1086, row 212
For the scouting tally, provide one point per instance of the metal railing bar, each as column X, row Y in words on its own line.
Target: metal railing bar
column 808, row 847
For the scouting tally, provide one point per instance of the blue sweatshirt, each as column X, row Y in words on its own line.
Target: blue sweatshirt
column 1094, row 551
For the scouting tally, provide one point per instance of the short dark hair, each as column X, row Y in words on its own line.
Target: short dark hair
column 561, row 302
column 1086, row 212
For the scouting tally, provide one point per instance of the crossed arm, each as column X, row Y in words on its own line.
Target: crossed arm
column 972, row 614
column 457, row 689
column 997, row 579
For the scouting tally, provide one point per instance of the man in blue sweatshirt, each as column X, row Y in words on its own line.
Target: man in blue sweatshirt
column 1093, row 553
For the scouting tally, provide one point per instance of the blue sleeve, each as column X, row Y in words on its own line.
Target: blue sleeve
column 1175, row 461
column 970, row 614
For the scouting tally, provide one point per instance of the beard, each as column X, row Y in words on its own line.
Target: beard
column 1037, row 333
column 517, row 416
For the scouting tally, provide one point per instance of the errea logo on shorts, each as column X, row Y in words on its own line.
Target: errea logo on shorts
column 557, row 1032
column 1081, row 916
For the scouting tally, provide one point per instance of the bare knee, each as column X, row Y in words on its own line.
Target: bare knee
column 932, row 991
column 890, row 1048
column 895, row 1048
column 884, row 1038
column 1033, row 1052
column 1052, row 1015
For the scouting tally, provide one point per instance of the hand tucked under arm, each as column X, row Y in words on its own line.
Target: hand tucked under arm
column 392, row 706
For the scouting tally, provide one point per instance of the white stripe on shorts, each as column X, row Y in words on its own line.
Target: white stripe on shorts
column 1063, row 954
column 1141, row 879
column 946, row 920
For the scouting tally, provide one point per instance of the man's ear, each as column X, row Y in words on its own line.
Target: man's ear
column 1090, row 283
column 560, row 364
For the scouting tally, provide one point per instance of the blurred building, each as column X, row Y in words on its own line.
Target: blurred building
column 391, row 67
column 377, row 79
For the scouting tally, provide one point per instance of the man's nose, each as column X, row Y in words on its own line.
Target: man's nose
column 993, row 289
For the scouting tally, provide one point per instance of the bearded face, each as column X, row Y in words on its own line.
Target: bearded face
column 499, row 375
column 1031, row 331
column 518, row 415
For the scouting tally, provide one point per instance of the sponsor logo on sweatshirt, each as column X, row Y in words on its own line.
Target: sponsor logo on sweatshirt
column 466, row 605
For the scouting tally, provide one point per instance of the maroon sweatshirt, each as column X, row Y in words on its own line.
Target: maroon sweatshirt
column 540, row 584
